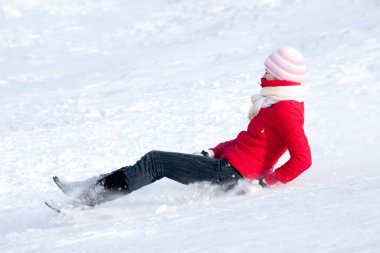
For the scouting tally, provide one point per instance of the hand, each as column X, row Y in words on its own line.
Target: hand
column 263, row 183
column 208, row 153
column 260, row 182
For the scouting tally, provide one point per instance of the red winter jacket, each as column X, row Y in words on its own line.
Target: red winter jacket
column 273, row 131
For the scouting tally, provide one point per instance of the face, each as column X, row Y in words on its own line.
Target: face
column 269, row 76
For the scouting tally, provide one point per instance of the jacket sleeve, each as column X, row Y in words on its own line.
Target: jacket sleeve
column 218, row 150
column 289, row 125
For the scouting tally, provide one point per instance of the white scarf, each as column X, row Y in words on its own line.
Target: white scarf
column 271, row 95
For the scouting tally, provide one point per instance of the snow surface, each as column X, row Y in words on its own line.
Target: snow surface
column 88, row 86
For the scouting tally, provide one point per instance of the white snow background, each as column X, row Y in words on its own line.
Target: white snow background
column 88, row 86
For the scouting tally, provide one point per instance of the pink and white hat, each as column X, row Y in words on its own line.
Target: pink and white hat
column 287, row 64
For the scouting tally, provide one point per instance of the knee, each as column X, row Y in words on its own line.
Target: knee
column 152, row 163
column 152, row 155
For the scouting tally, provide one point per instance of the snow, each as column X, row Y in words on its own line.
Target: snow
column 88, row 86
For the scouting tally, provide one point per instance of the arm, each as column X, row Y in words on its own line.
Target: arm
column 289, row 126
column 218, row 150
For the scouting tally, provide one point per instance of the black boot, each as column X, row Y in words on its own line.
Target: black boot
column 107, row 188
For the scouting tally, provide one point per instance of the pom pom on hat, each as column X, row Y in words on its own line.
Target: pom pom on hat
column 286, row 63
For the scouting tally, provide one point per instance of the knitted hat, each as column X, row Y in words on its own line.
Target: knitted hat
column 287, row 64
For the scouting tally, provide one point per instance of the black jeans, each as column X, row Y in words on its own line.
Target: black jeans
column 183, row 168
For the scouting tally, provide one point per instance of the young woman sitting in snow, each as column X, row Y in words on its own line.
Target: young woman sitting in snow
column 276, row 125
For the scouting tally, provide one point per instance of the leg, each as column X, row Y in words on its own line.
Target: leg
column 183, row 168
